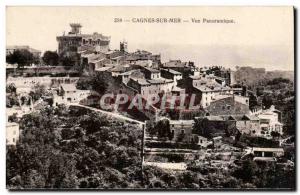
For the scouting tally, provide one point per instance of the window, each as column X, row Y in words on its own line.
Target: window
column 182, row 131
column 14, row 140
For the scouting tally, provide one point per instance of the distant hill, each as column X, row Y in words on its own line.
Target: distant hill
column 258, row 76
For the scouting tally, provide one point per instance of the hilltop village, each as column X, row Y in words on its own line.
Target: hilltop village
column 221, row 129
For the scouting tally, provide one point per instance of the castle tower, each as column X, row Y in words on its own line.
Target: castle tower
column 75, row 28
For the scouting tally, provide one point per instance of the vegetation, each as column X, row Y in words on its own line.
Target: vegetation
column 248, row 174
column 21, row 57
column 11, row 96
column 51, row 58
column 94, row 82
column 37, row 92
column 61, row 148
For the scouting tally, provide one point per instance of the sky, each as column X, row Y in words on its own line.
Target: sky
column 259, row 36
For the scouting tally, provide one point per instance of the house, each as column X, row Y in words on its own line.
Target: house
column 210, row 126
column 266, row 154
column 182, row 130
column 12, row 133
column 178, row 65
column 229, row 105
column 150, row 87
column 118, row 69
column 151, row 73
column 68, row 93
column 125, row 76
column 217, row 142
column 246, row 124
column 143, row 55
column 171, row 74
column 270, row 121
column 202, row 141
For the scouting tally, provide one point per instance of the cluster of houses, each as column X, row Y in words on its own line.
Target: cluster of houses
column 221, row 107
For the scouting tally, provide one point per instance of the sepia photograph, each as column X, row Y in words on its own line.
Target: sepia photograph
column 150, row 98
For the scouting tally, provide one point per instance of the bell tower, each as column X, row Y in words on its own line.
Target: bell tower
column 123, row 46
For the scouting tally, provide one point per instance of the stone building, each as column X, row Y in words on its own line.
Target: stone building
column 74, row 42
column 246, row 124
column 171, row 74
column 143, row 55
column 182, row 129
column 229, row 105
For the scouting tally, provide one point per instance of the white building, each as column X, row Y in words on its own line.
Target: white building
column 68, row 93
column 270, row 121
column 12, row 133
column 266, row 154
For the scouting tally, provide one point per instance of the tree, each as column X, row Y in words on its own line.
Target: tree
column 267, row 102
column 94, row 82
column 11, row 88
column 51, row 58
column 11, row 100
column 163, row 129
column 247, row 171
column 275, row 134
column 69, row 60
column 21, row 57
column 37, row 92
column 252, row 101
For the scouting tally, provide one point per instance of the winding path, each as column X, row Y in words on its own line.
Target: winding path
column 112, row 114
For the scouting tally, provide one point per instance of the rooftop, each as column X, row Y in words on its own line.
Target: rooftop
column 267, row 149
column 159, row 81
column 214, row 118
column 182, row 122
column 175, row 63
column 152, row 70
column 101, row 69
column 173, row 71
column 68, row 87
column 143, row 52
column 207, row 88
